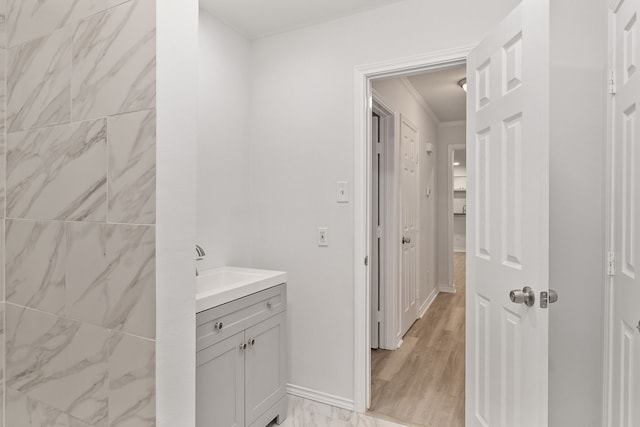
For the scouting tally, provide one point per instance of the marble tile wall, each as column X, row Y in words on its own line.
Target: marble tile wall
column 77, row 213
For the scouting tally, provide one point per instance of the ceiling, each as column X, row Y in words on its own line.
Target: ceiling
column 441, row 92
column 257, row 18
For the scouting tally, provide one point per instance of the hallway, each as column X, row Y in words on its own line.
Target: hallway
column 423, row 382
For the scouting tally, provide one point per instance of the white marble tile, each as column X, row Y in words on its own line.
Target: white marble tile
column 114, row 61
column 35, row 253
column 132, row 368
column 31, row 19
column 307, row 413
column 24, row 411
column 110, row 276
column 2, row 358
column 59, row 172
column 2, row 259
column 38, row 82
column 3, row 177
column 74, row 422
column 3, row 23
column 132, row 168
column 3, row 86
column 59, row 362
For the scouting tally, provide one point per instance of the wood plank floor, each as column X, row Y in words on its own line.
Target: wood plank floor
column 422, row 383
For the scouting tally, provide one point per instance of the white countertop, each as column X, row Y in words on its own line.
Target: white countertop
column 218, row 286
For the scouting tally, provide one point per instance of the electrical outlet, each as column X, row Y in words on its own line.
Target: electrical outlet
column 323, row 236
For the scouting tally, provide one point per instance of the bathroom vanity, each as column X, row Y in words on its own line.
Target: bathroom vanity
column 241, row 348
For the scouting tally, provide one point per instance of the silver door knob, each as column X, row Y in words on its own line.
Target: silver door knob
column 525, row 296
column 406, row 240
column 553, row 296
column 218, row 326
column 252, row 342
column 243, row 346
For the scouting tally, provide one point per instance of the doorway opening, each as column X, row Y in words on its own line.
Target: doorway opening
column 417, row 298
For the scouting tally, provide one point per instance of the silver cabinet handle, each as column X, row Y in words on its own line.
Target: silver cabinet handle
column 243, row 346
column 251, row 342
column 218, row 326
column 525, row 296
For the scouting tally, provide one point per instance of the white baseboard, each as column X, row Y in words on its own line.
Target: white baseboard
column 321, row 397
column 450, row 289
column 428, row 302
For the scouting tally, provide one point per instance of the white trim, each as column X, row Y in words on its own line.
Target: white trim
column 452, row 123
column 427, row 303
column 459, row 251
column 609, row 194
column 419, row 99
column 319, row 396
column 448, row 289
column 362, row 187
column 390, row 203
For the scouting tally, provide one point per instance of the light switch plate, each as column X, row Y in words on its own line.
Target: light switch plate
column 342, row 188
column 323, row 236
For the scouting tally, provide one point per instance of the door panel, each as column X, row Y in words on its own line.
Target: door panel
column 409, row 203
column 508, row 219
column 625, row 351
column 220, row 403
column 265, row 376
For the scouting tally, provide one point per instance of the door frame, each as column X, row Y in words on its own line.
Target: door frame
column 390, row 216
column 609, row 194
column 363, row 101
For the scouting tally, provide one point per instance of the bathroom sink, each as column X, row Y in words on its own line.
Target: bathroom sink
column 221, row 285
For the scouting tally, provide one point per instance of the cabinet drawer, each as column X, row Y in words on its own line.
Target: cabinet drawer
column 228, row 319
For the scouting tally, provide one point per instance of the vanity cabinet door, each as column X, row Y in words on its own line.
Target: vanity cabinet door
column 220, row 384
column 265, row 366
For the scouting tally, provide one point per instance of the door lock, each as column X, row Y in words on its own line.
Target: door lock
column 548, row 298
column 525, row 296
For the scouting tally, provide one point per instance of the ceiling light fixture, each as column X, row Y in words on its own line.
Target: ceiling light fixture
column 456, row 163
column 463, row 84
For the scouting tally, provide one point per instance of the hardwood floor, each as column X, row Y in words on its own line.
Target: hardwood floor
column 422, row 383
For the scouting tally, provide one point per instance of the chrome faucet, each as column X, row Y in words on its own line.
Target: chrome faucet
column 199, row 255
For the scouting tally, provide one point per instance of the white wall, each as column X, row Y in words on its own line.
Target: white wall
column 577, row 256
column 223, row 145
column 302, row 143
column 396, row 94
column 449, row 133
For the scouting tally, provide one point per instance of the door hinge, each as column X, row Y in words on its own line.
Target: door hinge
column 378, row 317
column 379, row 232
column 379, row 148
column 612, row 82
column 366, row 260
column 611, row 263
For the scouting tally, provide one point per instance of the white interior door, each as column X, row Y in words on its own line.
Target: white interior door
column 508, row 220
column 625, row 325
column 409, row 203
